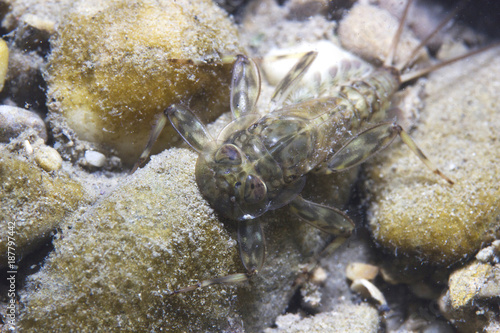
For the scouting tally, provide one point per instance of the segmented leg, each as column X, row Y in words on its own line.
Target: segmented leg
column 181, row 115
column 252, row 252
column 155, row 133
column 369, row 142
column 185, row 122
column 252, row 243
column 307, row 270
column 327, row 219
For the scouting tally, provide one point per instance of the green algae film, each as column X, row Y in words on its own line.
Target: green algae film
column 35, row 200
column 113, row 266
column 111, row 73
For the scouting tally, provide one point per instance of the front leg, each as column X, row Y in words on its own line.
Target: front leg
column 185, row 122
column 252, row 245
column 252, row 253
column 327, row 219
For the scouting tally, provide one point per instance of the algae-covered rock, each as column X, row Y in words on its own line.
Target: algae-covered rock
column 154, row 234
column 471, row 302
column 416, row 213
column 34, row 202
column 471, row 282
column 116, row 65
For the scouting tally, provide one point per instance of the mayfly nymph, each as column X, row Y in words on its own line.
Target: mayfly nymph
column 260, row 163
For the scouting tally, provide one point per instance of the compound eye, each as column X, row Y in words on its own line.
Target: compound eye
column 228, row 154
column 255, row 189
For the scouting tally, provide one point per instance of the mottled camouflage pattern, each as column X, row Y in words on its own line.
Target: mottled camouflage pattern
column 259, row 163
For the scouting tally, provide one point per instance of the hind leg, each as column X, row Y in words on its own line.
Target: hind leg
column 369, row 142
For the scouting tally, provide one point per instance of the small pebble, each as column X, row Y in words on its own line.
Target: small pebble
column 319, row 276
column 48, row 158
column 95, row 158
column 14, row 121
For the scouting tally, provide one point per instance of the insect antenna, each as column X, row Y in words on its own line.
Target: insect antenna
column 416, row 74
column 433, row 33
column 395, row 41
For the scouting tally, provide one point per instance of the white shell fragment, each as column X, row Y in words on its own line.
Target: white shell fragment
column 48, row 158
column 368, row 290
column 15, row 120
column 95, row 158
column 28, row 147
